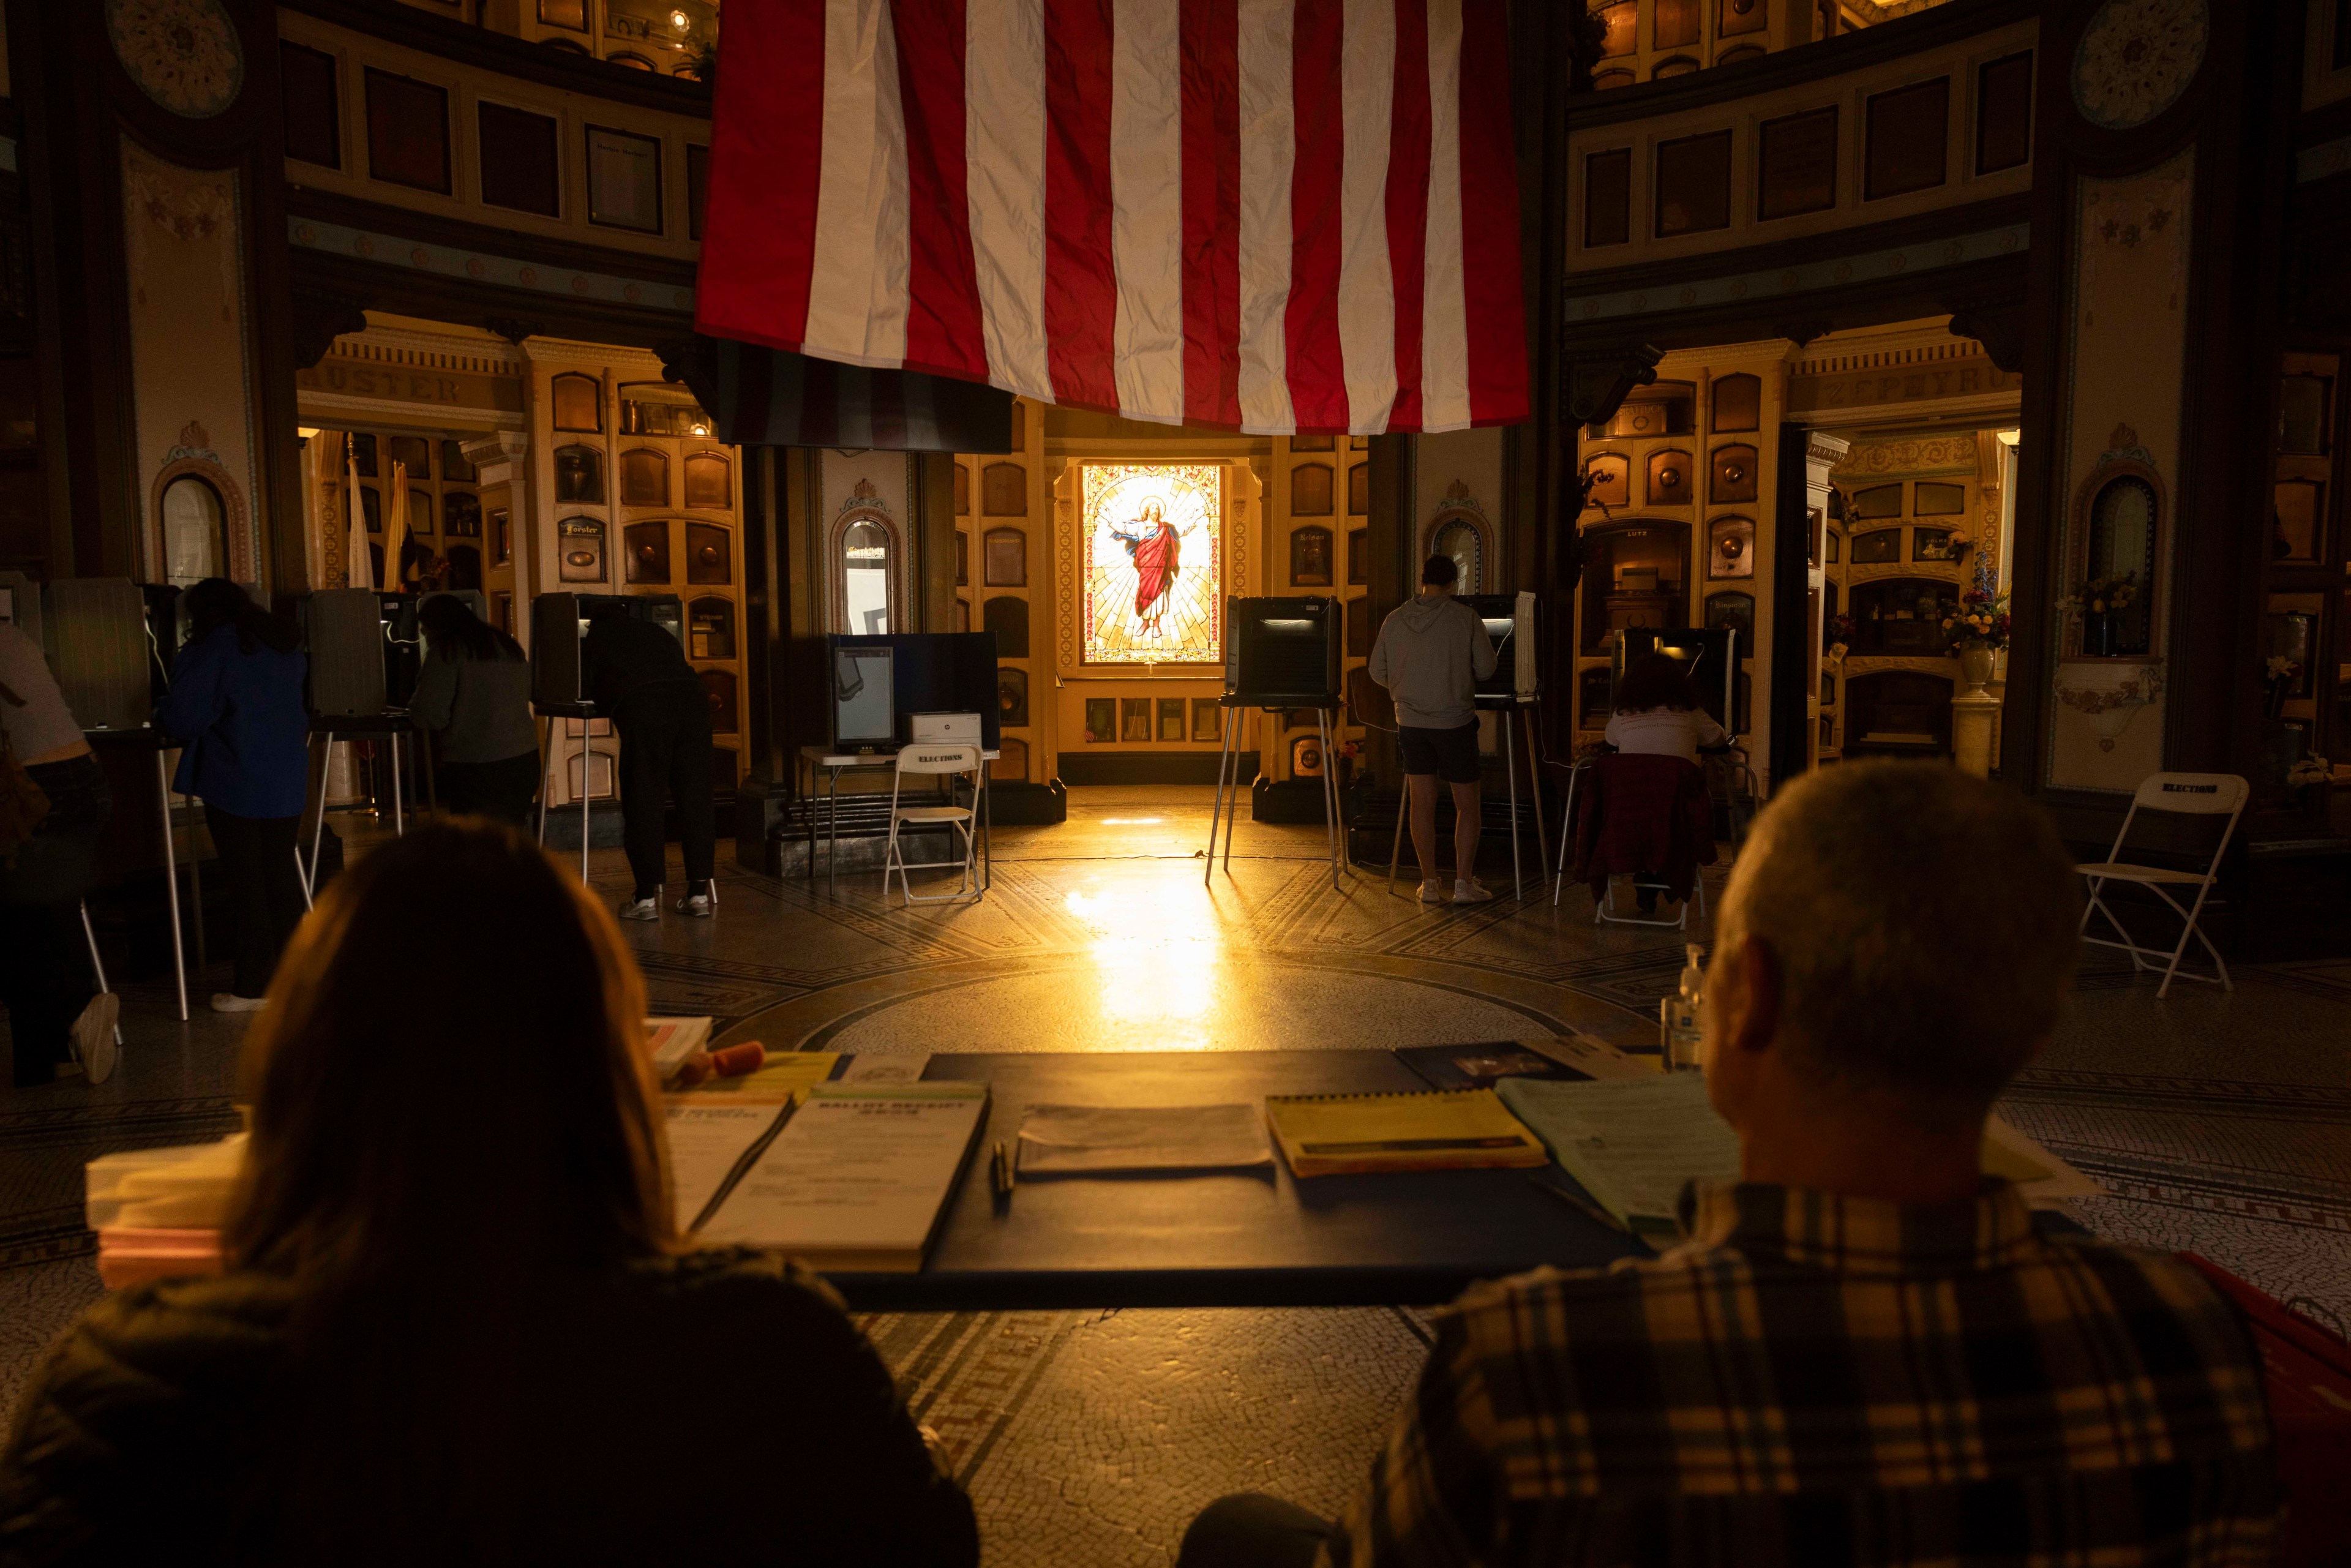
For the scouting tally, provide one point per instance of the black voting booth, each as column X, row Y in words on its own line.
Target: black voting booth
column 929, row 671
column 1280, row 654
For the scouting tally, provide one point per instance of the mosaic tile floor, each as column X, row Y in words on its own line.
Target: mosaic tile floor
column 2218, row 1122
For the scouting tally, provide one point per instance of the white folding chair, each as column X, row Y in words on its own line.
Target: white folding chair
column 944, row 763
column 2188, row 794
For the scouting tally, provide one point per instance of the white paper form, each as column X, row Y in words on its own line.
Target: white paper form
column 706, row 1141
column 856, row 1169
column 1076, row 1140
column 1632, row 1142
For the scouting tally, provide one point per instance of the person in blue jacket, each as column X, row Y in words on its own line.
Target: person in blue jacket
column 236, row 705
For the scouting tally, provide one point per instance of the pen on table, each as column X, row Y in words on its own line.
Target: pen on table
column 1591, row 1211
column 999, row 1170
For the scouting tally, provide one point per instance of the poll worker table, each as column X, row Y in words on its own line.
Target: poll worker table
column 833, row 764
column 1259, row 1239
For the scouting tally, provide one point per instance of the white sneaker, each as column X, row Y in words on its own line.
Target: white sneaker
column 230, row 1002
column 1466, row 891
column 641, row 909
column 1432, row 891
column 93, row 1036
column 697, row 904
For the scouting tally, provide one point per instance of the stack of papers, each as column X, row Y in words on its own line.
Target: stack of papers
column 856, row 1179
column 1635, row 1144
column 1096, row 1140
column 672, row 1040
column 158, row 1212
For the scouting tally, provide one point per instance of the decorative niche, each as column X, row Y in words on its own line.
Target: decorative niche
column 709, row 554
column 578, row 403
column 2297, row 535
column 644, row 477
column 709, row 482
column 1611, row 480
column 579, row 476
column 1004, row 490
column 645, row 549
column 1932, row 499
column 579, row 550
column 1732, row 474
column 1877, row 546
column 710, row 628
column 1661, row 408
column 1877, row 501
column 1004, row 558
column 1007, row 615
column 1311, row 564
column 1459, row 529
column 1737, row 402
column 1730, row 547
column 1310, row 490
column 2120, row 526
column 1736, row 611
column 1669, row 479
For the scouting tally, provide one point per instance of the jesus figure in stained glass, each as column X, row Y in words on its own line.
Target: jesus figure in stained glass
column 1153, row 563
column 1158, row 553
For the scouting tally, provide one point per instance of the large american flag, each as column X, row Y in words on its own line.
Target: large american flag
column 1272, row 215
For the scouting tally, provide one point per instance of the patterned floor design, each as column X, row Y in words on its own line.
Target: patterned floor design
column 2218, row 1122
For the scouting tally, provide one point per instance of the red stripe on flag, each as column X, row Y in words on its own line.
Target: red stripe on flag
column 942, row 322
column 1080, row 272
column 1495, row 304
column 1317, row 366
column 766, row 157
column 1407, row 204
column 1212, row 213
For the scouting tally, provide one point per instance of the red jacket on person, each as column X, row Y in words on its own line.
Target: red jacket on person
column 1644, row 814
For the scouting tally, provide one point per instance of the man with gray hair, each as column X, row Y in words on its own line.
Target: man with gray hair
column 1863, row 1352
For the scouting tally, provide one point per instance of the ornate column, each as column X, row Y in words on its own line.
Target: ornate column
column 2160, row 164
column 154, row 172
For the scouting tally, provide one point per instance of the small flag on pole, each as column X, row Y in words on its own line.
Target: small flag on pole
column 360, row 572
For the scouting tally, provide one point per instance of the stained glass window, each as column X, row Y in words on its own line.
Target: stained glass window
column 1153, row 563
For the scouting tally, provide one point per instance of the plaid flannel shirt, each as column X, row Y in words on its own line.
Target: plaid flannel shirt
column 1823, row 1381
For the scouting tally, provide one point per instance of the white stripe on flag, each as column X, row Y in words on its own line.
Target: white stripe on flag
column 1443, row 315
column 1004, row 138
column 859, row 276
column 1147, row 201
column 1268, row 147
column 1366, row 284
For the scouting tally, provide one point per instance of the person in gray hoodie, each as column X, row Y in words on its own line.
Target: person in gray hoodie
column 1430, row 655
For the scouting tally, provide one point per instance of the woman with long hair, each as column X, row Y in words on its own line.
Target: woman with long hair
column 458, row 1326
column 473, row 693
column 235, row 704
column 1657, row 711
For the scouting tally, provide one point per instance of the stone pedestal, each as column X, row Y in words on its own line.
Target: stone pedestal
column 1975, row 720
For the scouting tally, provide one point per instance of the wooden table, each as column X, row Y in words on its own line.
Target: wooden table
column 1222, row 1239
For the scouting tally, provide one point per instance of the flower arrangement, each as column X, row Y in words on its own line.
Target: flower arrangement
column 1838, row 632
column 2106, row 595
column 2100, row 602
column 1982, row 613
column 2279, row 675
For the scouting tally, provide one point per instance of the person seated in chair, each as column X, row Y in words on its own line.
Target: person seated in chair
column 1657, row 713
column 458, row 1324
column 1864, row 1353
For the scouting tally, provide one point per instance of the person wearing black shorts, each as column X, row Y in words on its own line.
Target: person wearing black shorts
column 1430, row 654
